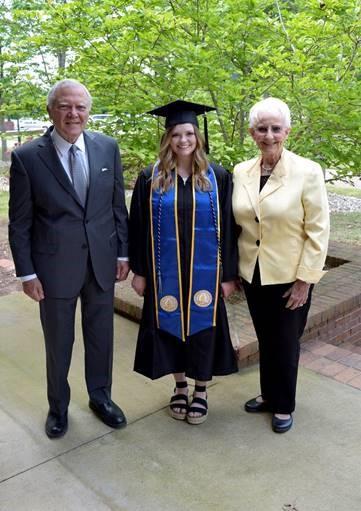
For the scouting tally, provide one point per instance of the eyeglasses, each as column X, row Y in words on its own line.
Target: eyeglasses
column 264, row 129
column 69, row 108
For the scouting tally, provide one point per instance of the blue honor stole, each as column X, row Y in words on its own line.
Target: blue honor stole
column 205, row 259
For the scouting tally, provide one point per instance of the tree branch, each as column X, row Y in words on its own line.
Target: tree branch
column 283, row 26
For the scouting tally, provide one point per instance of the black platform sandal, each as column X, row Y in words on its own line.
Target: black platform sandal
column 197, row 409
column 176, row 402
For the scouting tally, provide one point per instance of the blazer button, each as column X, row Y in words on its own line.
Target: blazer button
column 256, row 220
column 258, row 243
column 84, row 245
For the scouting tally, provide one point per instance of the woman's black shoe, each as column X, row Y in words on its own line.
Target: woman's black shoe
column 281, row 425
column 254, row 406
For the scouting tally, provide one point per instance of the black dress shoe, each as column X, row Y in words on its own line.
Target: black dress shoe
column 281, row 425
column 109, row 413
column 56, row 425
column 254, row 406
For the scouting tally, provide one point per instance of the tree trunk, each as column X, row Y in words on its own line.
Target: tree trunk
column 61, row 59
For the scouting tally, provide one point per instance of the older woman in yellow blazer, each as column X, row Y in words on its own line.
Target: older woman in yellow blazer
column 280, row 203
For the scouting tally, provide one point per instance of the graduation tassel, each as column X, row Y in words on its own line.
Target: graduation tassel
column 160, row 291
column 206, row 144
column 158, row 245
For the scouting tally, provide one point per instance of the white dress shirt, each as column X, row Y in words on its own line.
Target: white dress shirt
column 62, row 148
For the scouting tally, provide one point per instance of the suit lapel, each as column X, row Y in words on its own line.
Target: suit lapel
column 251, row 184
column 95, row 159
column 47, row 153
column 276, row 180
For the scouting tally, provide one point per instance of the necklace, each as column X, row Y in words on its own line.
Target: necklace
column 267, row 171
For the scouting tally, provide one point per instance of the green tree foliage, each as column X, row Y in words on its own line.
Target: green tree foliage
column 227, row 53
column 20, row 89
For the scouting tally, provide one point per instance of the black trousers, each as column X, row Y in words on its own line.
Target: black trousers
column 278, row 331
column 58, row 322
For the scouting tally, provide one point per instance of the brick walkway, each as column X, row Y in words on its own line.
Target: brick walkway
column 342, row 364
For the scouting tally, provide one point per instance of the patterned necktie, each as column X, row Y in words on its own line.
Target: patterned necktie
column 77, row 173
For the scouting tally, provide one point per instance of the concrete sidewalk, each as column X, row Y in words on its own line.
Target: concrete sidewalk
column 232, row 462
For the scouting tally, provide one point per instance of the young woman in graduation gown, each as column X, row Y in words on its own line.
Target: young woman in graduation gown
column 183, row 254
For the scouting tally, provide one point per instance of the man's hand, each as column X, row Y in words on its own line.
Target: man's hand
column 122, row 270
column 228, row 288
column 34, row 289
column 139, row 284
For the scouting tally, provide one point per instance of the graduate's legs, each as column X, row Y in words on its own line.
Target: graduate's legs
column 178, row 406
column 198, row 409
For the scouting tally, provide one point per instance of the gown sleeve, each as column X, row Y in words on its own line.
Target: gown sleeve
column 138, row 226
column 229, row 249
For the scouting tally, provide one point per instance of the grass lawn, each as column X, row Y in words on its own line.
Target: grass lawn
column 346, row 227
column 350, row 192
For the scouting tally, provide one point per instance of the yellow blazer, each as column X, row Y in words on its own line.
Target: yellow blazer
column 286, row 225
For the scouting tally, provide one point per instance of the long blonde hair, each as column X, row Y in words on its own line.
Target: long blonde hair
column 168, row 162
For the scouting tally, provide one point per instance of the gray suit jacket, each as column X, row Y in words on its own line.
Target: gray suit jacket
column 50, row 233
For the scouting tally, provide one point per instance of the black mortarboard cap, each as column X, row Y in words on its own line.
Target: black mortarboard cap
column 181, row 112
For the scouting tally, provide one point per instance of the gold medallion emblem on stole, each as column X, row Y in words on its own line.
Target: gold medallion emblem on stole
column 202, row 298
column 169, row 303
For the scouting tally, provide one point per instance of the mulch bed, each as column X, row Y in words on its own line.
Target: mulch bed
column 8, row 282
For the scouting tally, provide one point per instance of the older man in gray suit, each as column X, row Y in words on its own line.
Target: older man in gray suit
column 68, row 236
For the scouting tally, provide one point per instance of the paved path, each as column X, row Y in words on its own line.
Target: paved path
column 232, row 462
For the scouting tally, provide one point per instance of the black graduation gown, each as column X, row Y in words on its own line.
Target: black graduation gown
column 158, row 353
